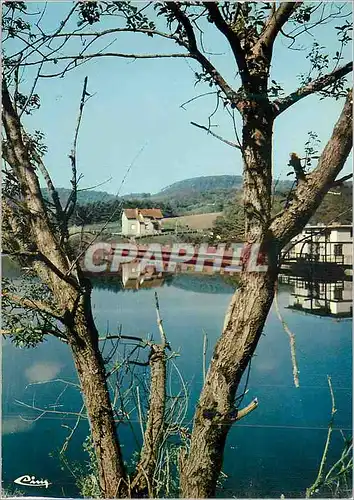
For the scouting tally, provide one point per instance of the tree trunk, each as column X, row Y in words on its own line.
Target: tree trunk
column 251, row 303
column 72, row 301
column 91, row 375
column 83, row 341
column 143, row 483
column 214, row 415
column 245, row 319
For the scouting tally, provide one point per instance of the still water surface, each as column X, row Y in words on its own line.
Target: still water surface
column 275, row 450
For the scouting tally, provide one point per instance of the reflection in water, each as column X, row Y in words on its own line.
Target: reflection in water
column 131, row 278
column 320, row 297
column 134, row 278
column 41, row 372
column 288, row 430
column 14, row 425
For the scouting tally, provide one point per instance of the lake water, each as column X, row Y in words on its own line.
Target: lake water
column 275, row 450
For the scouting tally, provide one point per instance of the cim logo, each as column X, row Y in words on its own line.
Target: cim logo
column 28, row 480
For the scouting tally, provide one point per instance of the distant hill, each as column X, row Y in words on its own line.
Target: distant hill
column 83, row 197
column 217, row 184
column 200, row 185
column 200, row 195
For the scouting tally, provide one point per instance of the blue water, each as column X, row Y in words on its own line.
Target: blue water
column 275, row 450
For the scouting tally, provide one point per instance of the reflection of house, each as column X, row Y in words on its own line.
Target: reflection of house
column 321, row 298
column 134, row 278
column 333, row 243
column 140, row 222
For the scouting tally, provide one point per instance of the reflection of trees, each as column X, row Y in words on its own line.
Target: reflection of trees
column 106, row 282
column 202, row 284
column 199, row 284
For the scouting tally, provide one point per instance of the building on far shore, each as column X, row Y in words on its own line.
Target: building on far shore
column 324, row 244
column 320, row 298
column 134, row 278
column 141, row 222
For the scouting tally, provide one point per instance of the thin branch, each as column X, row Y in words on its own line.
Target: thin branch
column 233, row 39
column 36, row 305
column 104, row 54
column 50, row 186
column 159, row 322
column 291, row 340
column 72, row 431
column 120, row 30
column 195, row 53
column 198, row 97
column 247, row 409
column 110, row 218
column 280, row 105
column 32, row 90
column 275, row 23
column 205, row 347
column 226, row 141
column 95, row 186
column 339, row 182
column 71, row 203
column 318, row 480
column 140, row 412
column 45, row 410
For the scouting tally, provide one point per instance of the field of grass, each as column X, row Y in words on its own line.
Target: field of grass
column 197, row 221
column 112, row 227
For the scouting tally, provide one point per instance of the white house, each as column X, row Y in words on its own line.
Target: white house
column 332, row 243
column 140, row 222
column 321, row 298
column 134, row 278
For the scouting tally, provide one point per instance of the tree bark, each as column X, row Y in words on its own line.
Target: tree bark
column 71, row 293
column 214, row 414
column 143, row 482
column 246, row 316
column 251, row 303
column 91, row 374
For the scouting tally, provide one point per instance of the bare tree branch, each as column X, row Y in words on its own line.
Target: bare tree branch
column 320, row 83
column 339, row 182
column 233, row 39
column 71, row 203
column 275, row 23
column 36, row 305
column 229, row 143
column 103, row 54
column 156, row 414
column 308, row 195
column 50, row 186
column 291, row 340
column 320, row 474
column 196, row 54
column 112, row 31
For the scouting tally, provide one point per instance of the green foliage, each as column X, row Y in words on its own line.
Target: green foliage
column 11, row 493
column 336, row 207
column 26, row 327
column 89, row 12
column 230, row 227
column 197, row 195
column 87, row 478
column 201, row 184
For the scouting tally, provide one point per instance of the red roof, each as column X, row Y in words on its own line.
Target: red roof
column 151, row 213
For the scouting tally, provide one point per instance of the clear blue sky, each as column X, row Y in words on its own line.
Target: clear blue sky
column 137, row 103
